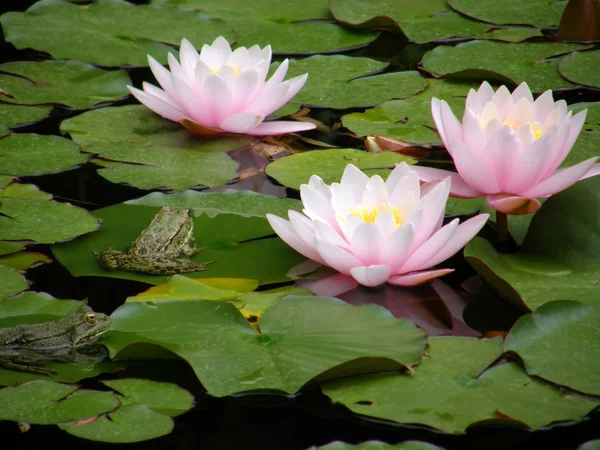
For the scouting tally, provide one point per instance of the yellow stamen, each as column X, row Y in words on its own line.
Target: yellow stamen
column 215, row 69
column 369, row 215
column 237, row 70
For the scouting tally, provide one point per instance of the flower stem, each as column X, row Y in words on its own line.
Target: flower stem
column 502, row 227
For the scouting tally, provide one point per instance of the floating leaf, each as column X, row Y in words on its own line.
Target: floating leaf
column 301, row 338
column 179, row 287
column 9, row 247
column 11, row 282
column 141, row 148
column 590, row 445
column 410, row 120
column 16, row 115
column 558, row 259
column 234, row 243
column 512, row 63
column 29, row 214
column 24, row 260
column 107, row 32
column 33, row 154
column 165, row 398
column 345, row 82
column 34, row 307
column 424, row 21
column 45, row 402
column 557, row 342
column 448, row 391
column 539, row 13
column 581, row 68
column 294, row 170
column 290, row 27
column 68, row 83
column 227, row 201
column 129, row 423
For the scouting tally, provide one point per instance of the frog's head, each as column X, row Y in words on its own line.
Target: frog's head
column 109, row 259
column 89, row 326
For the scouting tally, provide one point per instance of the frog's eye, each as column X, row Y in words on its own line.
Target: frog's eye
column 91, row 318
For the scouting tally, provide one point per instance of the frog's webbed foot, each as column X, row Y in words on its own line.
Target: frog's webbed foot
column 191, row 250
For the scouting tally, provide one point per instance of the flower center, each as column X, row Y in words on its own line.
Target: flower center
column 370, row 214
column 535, row 127
column 215, row 70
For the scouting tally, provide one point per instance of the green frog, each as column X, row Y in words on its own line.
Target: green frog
column 158, row 249
column 68, row 339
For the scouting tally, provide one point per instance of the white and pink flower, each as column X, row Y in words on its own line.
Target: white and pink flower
column 377, row 231
column 508, row 148
column 222, row 91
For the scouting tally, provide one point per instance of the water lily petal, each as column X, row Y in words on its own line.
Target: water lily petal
column 425, row 252
column 336, row 257
column 241, row 123
column 280, row 127
column 367, row 243
column 285, row 231
column 157, row 105
column 330, row 286
column 560, row 179
column 417, row 278
column 458, row 186
column 513, row 204
column 370, row 276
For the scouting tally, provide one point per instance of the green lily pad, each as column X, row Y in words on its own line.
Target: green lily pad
column 557, row 342
column 512, row 63
column 16, row 115
column 34, row 307
column 289, row 27
column 538, row 13
column 233, row 242
column 423, row 21
column 376, row 445
column 587, row 144
column 448, row 391
column 464, row 206
column 581, row 68
column 46, row 402
column 410, row 120
column 11, row 282
column 338, row 81
column 294, row 170
column 165, row 398
column 300, row 339
column 107, row 32
column 68, row 83
column 129, row 423
column 5, row 180
column 141, row 148
column 23, row 260
column 227, row 201
column 558, row 259
column 590, row 445
column 9, row 247
column 29, row 214
column 34, row 154
column 179, row 287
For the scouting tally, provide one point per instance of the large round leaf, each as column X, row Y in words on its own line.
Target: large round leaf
column 235, row 244
column 45, row 402
column 69, row 83
column 449, row 391
column 539, row 13
column 423, row 21
column 141, row 148
column 345, row 82
column 107, row 32
column 409, row 120
column 294, row 170
column 558, row 343
column 11, row 283
column 29, row 214
column 34, row 154
column 130, row 423
column 581, row 68
column 15, row 115
column 513, row 63
column 165, row 398
column 289, row 27
column 558, row 259
column 587, row 144
column 300, row 339
column 33, row 307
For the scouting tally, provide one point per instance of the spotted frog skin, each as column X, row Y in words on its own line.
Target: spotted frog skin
column 158, row 249
column 27, row 347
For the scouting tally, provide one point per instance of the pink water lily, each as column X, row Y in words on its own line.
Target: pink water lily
column 375, row 230
column 222, row 91
column 508, row 147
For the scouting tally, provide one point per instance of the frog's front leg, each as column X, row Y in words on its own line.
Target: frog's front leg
column 190, row 248
column 162, row 266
